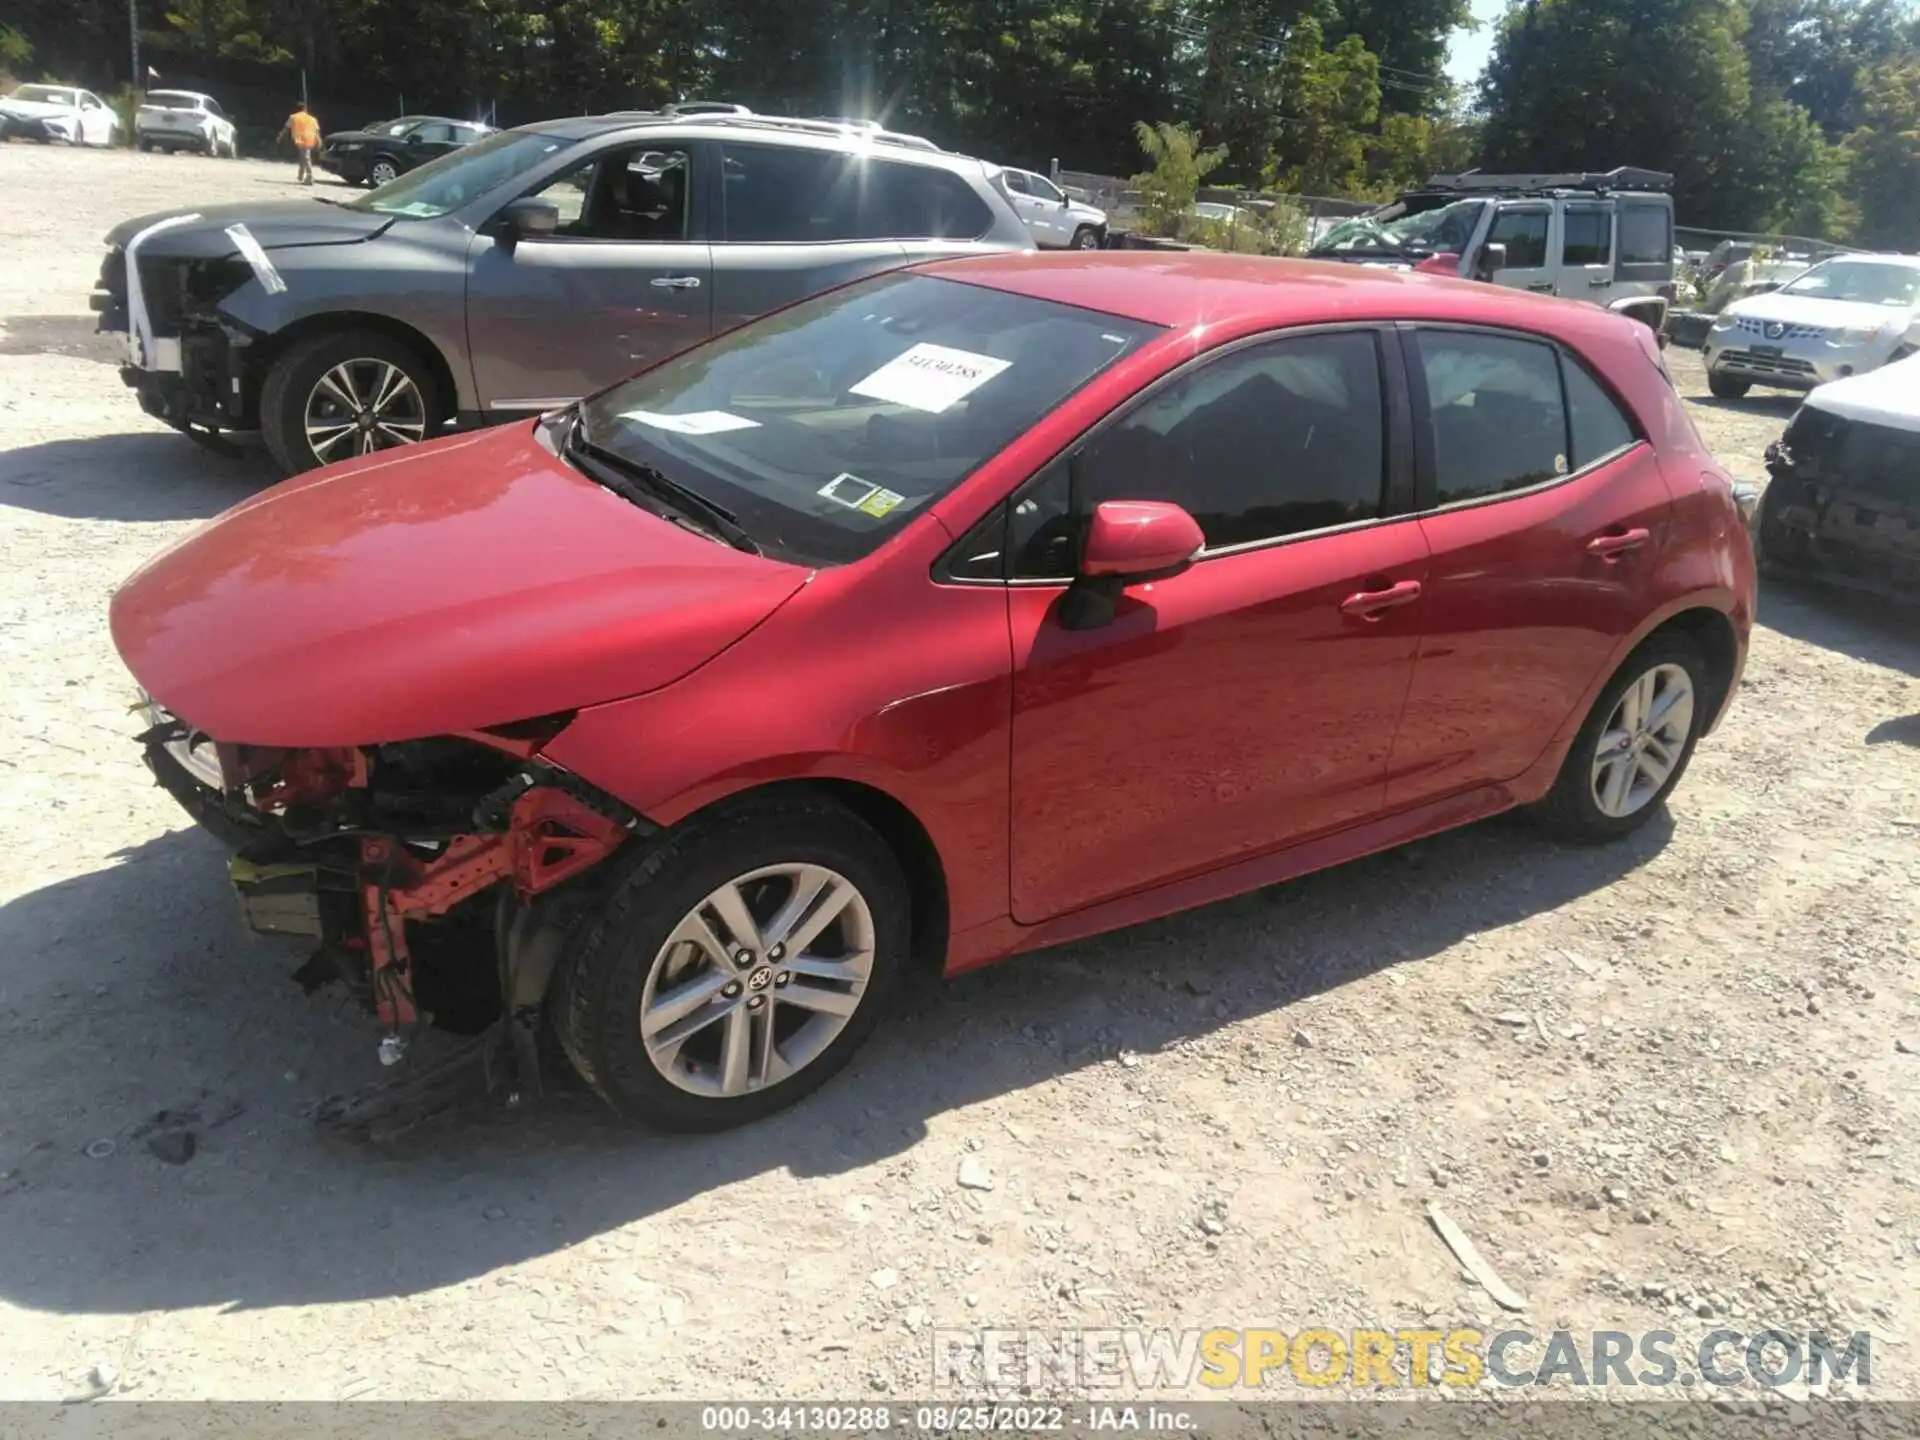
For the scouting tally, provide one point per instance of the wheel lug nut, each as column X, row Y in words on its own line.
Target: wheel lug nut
column 743, row 957
column 778, row 952
column 731, row 991
column 783, row 977
column 756, row 1002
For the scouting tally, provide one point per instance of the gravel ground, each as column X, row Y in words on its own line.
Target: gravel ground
column 1662, row 1084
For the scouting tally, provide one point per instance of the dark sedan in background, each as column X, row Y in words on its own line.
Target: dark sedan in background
column 385, row 151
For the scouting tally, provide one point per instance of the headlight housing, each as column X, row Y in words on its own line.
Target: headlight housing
column 1851, row 335
column 1723, row 321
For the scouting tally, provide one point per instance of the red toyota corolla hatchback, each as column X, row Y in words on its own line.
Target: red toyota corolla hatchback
column 950, row 614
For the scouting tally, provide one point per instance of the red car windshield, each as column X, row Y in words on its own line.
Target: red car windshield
column 825, row 428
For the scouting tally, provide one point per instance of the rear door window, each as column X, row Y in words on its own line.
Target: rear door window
column 1496, row 420
column 1506, row 413
column 1588, row 232
column 788, row 194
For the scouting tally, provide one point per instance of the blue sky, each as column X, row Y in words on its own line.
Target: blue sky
column 1467, row 55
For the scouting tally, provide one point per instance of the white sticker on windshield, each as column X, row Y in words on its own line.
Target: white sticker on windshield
column 862, row 495
column 698, row 422
column 930, row 377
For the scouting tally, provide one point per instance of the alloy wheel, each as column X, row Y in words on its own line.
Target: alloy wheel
column 360, row 406
column 1642, row 741
column 757, row 980
column 383, row 171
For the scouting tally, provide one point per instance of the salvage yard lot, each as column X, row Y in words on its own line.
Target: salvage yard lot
column 1666, row 1084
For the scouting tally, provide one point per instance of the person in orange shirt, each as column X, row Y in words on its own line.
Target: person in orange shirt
column 305, row 131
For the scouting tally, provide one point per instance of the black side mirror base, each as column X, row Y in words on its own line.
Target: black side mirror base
column 1091, row 601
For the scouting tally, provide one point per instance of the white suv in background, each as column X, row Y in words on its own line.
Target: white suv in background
column 1843, row 317
column 1056, row 221
column 184, row 120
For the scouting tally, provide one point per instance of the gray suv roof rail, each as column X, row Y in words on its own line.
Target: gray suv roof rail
column 831, row 129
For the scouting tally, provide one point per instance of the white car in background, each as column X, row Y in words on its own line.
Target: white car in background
column 1843, row 317
column 1054, row 219
column 184, row 120
column 1221, row 214
column 57, row 112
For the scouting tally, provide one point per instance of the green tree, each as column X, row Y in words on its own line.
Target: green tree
column 212, row 30
column 15, row 49
column 1591, row 84
column 1883, row 156
column 1813, row 52
column 1331, row 99
column 1168, row 190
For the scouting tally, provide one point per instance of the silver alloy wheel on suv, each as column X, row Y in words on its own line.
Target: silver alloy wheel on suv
column 382, row 172
column 363, row 405
column 1086, row 238
column 1642, row 741
column 720, row 1017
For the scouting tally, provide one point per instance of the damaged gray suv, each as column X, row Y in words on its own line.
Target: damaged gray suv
column 517, row 274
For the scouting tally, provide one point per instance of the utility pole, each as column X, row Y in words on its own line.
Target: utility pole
column 133, row 36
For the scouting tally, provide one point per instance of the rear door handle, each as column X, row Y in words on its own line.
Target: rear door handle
column 1369, row 604
column 1541, row 287
column 1599, row 280
column 675, row 282
column 1618, row 543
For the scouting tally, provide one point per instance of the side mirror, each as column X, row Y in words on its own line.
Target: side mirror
column 529, row 218
column 1129, row 542
column 1493, row 259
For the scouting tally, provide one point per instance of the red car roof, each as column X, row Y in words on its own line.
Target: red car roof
column 1179, row 288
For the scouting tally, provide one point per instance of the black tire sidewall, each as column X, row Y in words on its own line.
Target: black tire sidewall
column 293, row 375
column 1725, row 388
column 1572, row 805
column 597, row 996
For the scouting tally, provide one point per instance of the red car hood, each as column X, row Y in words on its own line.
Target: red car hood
column 469, row 582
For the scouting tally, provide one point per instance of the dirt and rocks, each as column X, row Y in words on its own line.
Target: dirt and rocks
column 1668, row 1084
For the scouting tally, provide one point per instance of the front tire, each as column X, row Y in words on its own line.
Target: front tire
column 351, row 392
column 1635, row 745
column 1086, row 238
column 383, row 171
column 737, row 965
column 1725, row 387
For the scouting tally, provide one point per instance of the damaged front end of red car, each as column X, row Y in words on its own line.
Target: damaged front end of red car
column 432, row 876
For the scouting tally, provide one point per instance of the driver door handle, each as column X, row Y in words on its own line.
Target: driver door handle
column 675, row 282
column 1369, row 604
column 1598, row 280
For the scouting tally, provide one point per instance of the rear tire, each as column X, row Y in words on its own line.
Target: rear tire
column 1725, row 387
column 1573, row 809
column 625, row 967
column 291, row 384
